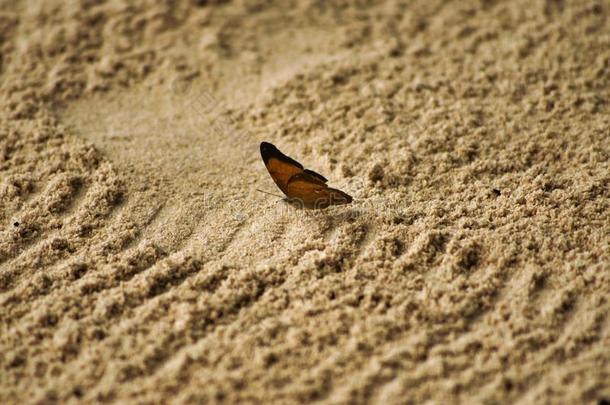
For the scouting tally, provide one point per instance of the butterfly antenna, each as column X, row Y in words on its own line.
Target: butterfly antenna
column 266, row 192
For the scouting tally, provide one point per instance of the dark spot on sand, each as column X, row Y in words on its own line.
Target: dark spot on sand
column 78, row 393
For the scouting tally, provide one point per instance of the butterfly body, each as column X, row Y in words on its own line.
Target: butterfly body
column 302, row 186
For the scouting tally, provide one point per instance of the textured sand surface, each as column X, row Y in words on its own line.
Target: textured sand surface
column 138, row 263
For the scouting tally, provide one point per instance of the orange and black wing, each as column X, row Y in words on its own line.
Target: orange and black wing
column 301, row 185
column 314, row 193
column 317, row 175
column 280, row 167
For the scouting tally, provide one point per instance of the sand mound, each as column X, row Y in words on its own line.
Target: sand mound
column 138, row 262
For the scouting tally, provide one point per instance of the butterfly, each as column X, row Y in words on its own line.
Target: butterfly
column 303, row 187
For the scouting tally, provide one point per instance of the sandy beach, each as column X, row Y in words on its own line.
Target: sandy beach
column 139, row 263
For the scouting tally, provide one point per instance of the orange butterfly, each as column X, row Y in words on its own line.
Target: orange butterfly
column 302, row 186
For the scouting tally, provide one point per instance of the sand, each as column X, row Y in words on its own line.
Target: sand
column 138, row 263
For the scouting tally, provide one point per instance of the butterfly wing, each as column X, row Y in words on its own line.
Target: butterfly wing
column 302, row 185
column 318, row 175
column 313, row 192
column 280, row 167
